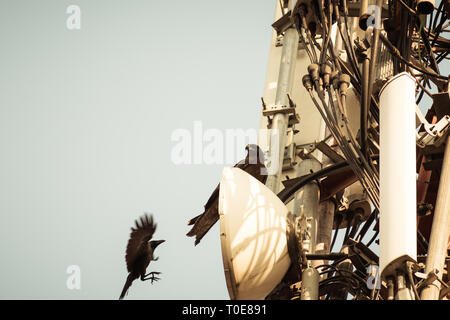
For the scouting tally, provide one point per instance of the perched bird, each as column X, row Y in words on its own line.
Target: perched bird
column 253, row 165
column 140, row 252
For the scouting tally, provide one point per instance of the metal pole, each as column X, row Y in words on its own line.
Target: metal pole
column 363, row 9
column 371, row 74
column 324, row 229
column 325, row 224
column 310, row 284
column 364, row 104
column 280, row 120
column 403, row 292
column 306, row 205
column 440, row 230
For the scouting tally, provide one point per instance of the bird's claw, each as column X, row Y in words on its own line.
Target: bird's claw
column 152, row 276
column 154, row 279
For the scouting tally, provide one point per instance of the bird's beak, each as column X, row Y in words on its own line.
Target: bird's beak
column 158, row 242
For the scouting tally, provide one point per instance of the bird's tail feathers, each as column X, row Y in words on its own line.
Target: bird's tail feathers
column 194, row 220
column 127, row 285
column 199, row 230
column 204, row 222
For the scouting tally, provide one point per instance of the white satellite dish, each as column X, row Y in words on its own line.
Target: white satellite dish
column 252, row 234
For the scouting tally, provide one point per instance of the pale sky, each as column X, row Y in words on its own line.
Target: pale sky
column 86, row 118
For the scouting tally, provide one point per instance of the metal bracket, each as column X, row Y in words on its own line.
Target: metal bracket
column 303, row 232
column 282, row 24
column 278, row 109
column 434, row 134
column 294, row 118
column 428, row 279
column 289, row 155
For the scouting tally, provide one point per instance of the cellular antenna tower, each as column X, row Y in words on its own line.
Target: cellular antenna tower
column 356, row 204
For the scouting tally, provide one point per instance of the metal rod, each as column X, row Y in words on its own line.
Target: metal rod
column 370, row 77
column 403, row 291
column 310, row 284
column 363, row 12
column 325, row 227
column 280, row 120
column 364, row 104
column 307, row 203
column 323, row 241
column 440, row 230
column 306, row 207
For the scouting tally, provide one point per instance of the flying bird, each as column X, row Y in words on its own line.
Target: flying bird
column 253, row 164
column 140, row 252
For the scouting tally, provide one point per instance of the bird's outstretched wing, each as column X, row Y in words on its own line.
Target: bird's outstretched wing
column 140, row 235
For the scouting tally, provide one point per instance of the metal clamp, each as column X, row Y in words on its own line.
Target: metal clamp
column 282, row 24
column 434, row 134
column 294, row 118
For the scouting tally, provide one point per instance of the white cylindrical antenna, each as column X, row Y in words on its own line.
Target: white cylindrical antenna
column 398, row 237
